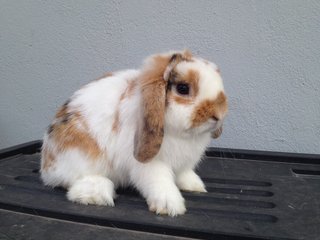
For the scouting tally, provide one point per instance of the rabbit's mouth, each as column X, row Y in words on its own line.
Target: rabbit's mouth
column 208, row 127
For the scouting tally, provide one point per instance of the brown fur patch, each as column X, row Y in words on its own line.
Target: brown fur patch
column 210, row 108
column 70, row 131
column 149, row 134
column 69, row 135
column 148, row 137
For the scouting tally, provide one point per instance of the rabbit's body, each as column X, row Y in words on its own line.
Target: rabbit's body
column 93, row 144
column 100, row 121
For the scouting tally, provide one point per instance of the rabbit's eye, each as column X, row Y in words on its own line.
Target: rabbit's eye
column 182, row 88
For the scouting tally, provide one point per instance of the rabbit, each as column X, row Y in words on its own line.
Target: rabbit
column 147, row 128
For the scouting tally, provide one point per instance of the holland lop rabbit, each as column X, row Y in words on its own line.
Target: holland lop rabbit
column 147, row 128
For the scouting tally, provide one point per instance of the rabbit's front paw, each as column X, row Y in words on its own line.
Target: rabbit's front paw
column 96, row 190
column 189, row 181
column 168, row 203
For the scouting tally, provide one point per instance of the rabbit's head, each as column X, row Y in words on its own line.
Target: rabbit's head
column 181, row 95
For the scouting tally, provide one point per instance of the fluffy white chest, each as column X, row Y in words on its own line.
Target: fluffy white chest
column 182, row 153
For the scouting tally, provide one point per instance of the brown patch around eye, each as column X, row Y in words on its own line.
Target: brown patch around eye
column 192, row 79
column 210, row 108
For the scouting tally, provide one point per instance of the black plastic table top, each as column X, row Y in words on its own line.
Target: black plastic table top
column 251, row 195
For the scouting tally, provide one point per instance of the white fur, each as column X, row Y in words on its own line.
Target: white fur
column 92, row 181
column 92, row 189
column 156, row 183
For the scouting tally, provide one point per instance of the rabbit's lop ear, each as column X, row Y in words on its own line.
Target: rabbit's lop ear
column 153, row 84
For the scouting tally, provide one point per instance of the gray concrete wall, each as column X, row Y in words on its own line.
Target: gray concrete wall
column 268, row 52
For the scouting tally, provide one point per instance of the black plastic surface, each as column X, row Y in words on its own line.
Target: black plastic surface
column 250, row 196
column 21, row 226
